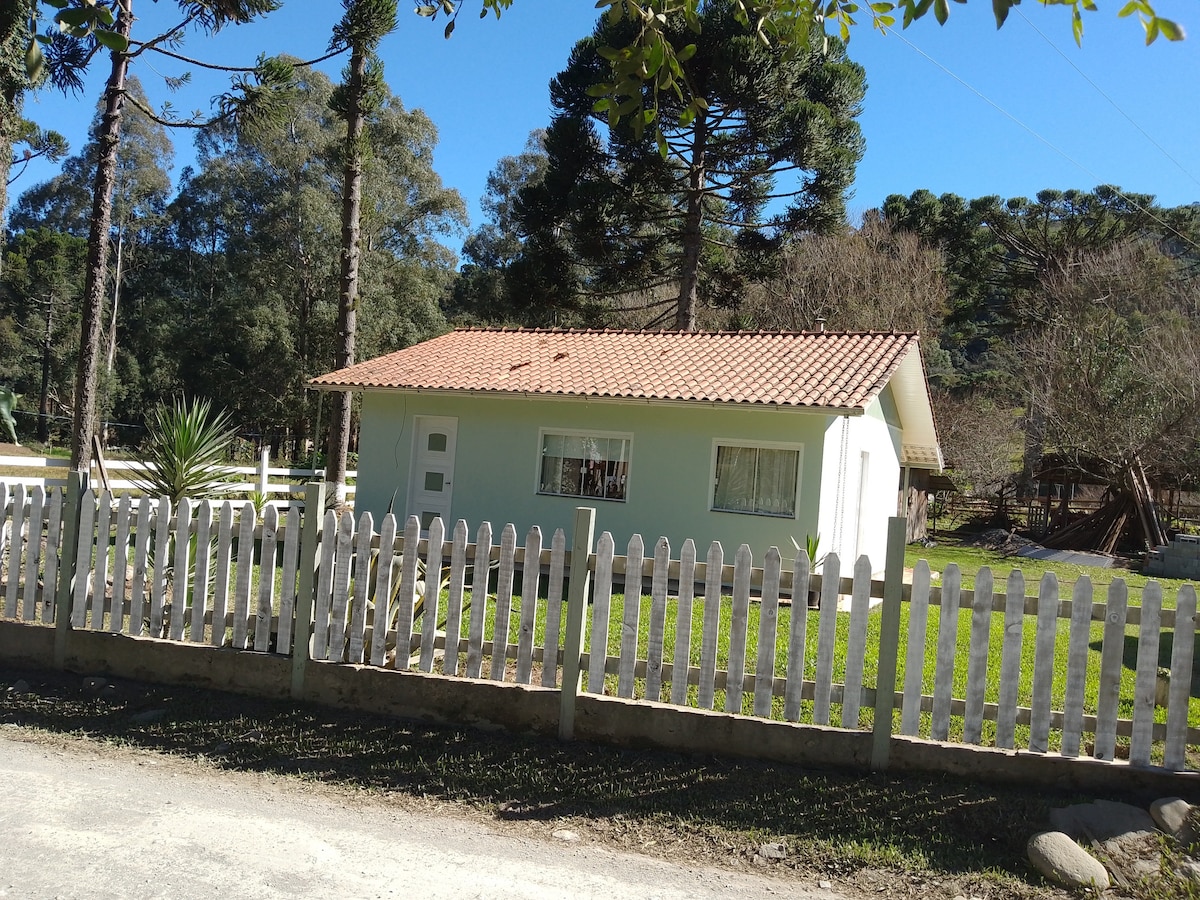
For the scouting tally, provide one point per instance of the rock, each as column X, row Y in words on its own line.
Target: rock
column 1171, row 815
column 94, row 683
column 1064, row 862
column 21, row 687
column 148, row 717
column 1102, row 820
column 827, row 885
column 564, row 835
column 773, row 851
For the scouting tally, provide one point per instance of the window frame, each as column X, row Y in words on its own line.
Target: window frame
column 544, row 432
column 743, row 444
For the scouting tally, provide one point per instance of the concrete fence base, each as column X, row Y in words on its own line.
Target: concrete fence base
column 524, row 708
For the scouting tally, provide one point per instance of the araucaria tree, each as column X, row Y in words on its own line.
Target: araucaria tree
column 775, row 130
column 361, row 93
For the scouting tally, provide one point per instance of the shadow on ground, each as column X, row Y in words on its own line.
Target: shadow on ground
column 834, row 822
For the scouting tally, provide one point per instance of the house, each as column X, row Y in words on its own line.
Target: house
column 757, row 438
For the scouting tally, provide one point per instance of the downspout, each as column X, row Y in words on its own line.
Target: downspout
column 839, row 509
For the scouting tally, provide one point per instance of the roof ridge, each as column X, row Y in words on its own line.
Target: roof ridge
column 486, row 329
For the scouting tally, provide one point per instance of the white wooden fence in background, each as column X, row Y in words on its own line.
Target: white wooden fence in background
column 227, row 578
column 50, row 472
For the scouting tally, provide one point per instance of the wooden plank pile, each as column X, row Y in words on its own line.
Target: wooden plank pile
column 1128, row 517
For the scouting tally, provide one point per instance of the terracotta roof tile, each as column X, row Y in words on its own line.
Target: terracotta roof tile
column 805, row 369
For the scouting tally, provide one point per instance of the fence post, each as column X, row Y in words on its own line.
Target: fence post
column 65, row 588
column 578, row 589
column 889, row 642
column 310, row 537
column 264, row 463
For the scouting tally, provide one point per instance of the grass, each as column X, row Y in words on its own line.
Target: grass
column 884, row 835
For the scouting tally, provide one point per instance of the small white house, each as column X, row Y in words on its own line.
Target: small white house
column 757, row 438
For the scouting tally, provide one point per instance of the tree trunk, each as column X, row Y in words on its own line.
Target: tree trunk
column 108, row 139
column 340, row 405
column 693, row 239
column 43, row 426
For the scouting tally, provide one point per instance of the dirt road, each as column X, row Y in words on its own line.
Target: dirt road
column 79, row 819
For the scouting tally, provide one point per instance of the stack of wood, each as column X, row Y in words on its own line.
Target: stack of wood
column 1128, row 518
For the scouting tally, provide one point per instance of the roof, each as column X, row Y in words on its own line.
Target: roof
column 833, row 371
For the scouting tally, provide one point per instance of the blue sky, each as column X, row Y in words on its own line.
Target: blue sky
column 962, row 108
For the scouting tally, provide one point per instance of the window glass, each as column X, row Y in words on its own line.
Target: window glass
column 756, row 480
column 575, row 465
column 437, row 442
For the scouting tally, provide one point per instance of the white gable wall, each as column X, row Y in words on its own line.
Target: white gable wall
column 861, row 467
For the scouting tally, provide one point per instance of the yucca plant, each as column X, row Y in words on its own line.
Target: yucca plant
column 187, row 447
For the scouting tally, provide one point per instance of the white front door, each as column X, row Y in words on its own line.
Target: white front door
column 433, row 468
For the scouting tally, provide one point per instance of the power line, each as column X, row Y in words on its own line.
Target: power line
column 1000, row 109
column 1099, row 90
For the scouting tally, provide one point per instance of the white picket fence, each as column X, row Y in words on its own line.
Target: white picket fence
column 281, row 485
column 712, row 634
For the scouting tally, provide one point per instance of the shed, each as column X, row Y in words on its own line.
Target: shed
column 756, row 438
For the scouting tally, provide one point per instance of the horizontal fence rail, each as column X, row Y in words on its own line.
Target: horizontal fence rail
column 1039, row 668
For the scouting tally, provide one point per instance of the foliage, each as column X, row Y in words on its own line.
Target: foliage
column 186, row 449
column 614, row 222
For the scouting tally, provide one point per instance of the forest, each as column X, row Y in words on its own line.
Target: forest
column 1066, row 323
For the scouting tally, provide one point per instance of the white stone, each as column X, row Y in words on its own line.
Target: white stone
column 1170, row 814
column 1064, row 862
column 564, row 835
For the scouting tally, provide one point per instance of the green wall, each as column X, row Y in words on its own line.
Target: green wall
column 670, row 473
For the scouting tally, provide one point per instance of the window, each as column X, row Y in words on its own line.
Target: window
column 756, row 480
column 584, row 465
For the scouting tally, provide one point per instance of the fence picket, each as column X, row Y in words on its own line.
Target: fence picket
column 797, row 637
column 601, row 603
column 407, row 595
column 1111, row 656
column 321, row 607
column 141, row 550
column 287, row 589
column 914, row 659
column 33, row 552
column 658, row 619
column 981, row 622
column 339, row 600
column 479, row 599
column 266, row 579
column 430, row 606
column 6, row 562
column 179, row 568
column 947, row 641
column 631, row 619
column 1147, row 675
column 362, row 589
column 712, row 625
column 15, row 547
column 99, row 561
column 454, row 597
column 200, row 586
column 83, row 558
column 504, row 593
column 826, row 638
column 381, row 619
column 1010, row 660
column 530, row 573
column 1043, row 664
column 158, row 581
column 220, row 604
column 768, row 629
column 683, row 622
column 1077, row 660
column 1179, row 692
column 116, row 615
column 244, row 583
column 554, row 608
column 856, row 644
column 54, row 500
column 743, row 562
